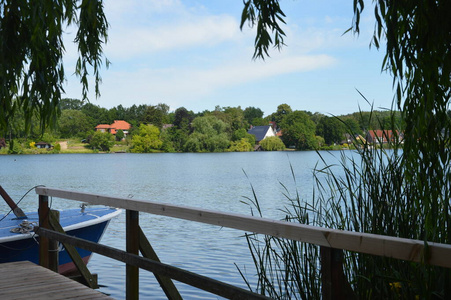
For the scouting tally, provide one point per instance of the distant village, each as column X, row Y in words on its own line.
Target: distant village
column 84, row 128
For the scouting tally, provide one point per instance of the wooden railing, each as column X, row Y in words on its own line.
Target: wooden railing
column 332, row 242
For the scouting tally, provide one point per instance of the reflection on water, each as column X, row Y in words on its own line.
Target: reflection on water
column 209, row 180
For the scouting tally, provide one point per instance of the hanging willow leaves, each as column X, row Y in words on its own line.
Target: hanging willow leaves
column 266, row 15
column 418, row 54
column 417, row 40
column 417, row 36
column 31, row 54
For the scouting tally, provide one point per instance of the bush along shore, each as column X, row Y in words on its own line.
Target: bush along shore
column 153, row 128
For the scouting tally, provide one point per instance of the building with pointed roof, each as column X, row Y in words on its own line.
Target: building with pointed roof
column 113, row 128
column 261, row 132
column 383, row 136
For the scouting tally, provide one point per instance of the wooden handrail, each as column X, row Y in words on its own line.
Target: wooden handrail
column 199, row 281
column 387, row 246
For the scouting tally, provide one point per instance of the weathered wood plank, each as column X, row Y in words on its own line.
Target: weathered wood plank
column 399, row 248
column 44, row 211
column 53, row 245
column 166, row 283
column 74, row 255
column 16, row 210
column 334, row 283
column 196, row 280
column 132, row 247
column 236, row 221
column 25, row 280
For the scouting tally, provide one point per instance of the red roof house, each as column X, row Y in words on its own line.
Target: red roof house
column 113, row 128
column 382, row 136
column 121, row 124
column 103, row 127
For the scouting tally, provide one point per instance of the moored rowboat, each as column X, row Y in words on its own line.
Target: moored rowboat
column 18, row 242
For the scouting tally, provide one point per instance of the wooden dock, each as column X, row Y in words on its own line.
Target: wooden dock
column 26, row 280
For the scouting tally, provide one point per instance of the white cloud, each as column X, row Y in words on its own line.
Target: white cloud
column 252, row 71
column 206, row 31
column 177, row 87
column 143, row 27
column 127, row 10
column 165, row 51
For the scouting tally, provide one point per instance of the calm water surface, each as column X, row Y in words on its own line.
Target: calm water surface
column 219, row 181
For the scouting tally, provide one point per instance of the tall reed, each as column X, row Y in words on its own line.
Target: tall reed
column 286, row 269
column 367, row 191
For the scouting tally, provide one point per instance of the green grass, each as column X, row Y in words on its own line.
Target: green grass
column 74, row 146
column 120, row 147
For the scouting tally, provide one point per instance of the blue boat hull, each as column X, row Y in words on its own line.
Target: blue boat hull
column 89, row 224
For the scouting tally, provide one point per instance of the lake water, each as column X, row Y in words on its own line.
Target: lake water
column 215, row 181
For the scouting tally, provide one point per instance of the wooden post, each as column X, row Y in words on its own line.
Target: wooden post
column 333, row 280
column 16, row 210
column 87, row 278
column 447, row 284
column 44, row 223
column 132, row 247
column 165, row 282
column 211, row 285
column 53, row 247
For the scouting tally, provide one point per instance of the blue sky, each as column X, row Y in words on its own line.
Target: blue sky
column 193, row 54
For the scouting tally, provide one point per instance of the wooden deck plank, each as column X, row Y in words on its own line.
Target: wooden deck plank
column 25, row 280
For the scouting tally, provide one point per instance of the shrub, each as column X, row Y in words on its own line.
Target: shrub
column 120, row 135
column 15, row 147
column 57, row 148
column 240, row 146
column 101, row 141
column 146, row 140
column 272, row 143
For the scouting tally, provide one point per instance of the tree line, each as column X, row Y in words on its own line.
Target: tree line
column 155, row 128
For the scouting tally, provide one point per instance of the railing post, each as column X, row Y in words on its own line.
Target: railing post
column 165, row 282
column 333, row 281
column 132, row 247
column 44, row 223
column 86, row 277
column 53, row 248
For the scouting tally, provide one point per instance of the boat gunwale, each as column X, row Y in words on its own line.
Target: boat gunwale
column 105, row 218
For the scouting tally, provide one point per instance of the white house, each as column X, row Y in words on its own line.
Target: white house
column 261, row 132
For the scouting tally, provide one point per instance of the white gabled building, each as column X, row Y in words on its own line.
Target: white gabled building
column 261, row 132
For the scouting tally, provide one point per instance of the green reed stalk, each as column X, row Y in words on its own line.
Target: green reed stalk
column 367, row 191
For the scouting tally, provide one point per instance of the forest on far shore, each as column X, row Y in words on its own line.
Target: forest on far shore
column 155, row 128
